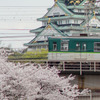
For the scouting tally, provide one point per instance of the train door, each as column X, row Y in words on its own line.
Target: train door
column 81, row 51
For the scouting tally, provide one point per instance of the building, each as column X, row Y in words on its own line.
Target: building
column 67, row 18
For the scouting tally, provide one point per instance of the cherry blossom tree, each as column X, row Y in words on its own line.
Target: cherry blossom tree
column 34, row 82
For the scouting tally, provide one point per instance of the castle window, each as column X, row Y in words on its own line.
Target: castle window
column 97, row 47
column 67, row 21
column 79, row 10
column 59, row 22
column 75, row 21
column 77, row 47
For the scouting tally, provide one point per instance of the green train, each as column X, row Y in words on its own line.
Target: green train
column 74, row 48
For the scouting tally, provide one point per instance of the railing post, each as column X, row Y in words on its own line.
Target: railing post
column 80, row 68
column 94, row 66
column 47, row 62
column 90, row 66
column 90, row 94
column 63, row 66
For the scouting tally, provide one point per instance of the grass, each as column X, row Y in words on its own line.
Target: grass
column 36, row 55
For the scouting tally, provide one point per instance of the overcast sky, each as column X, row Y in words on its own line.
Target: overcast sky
column 38, row 10
column 13, row 18
column 26, row 2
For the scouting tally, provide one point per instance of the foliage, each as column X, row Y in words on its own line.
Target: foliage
column 33, row 82
column 38, row 54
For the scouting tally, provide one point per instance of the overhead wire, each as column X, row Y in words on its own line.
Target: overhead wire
column 19, row 13
column 15, row 36
column 24, row 6
column 16, row 40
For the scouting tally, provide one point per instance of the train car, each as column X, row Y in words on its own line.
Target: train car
column 79, row 56
column 75, row 54
column 74, row 49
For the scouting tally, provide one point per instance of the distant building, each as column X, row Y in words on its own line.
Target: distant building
column 67, row 18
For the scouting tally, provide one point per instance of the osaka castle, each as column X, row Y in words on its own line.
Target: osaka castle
column 67, row 18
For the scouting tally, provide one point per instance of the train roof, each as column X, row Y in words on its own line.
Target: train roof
column 76, row 37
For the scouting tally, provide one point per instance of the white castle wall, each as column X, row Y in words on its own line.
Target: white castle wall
column 55, row 10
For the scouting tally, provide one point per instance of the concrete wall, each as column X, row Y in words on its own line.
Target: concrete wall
column 91, row 82
column 74, row 56
column 88, row 81
column 89, row 98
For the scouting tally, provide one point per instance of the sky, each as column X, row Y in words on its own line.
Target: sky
column 17, row 18
column 26, row 2
column 37, row 7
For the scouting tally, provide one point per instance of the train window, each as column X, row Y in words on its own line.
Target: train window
column 64, row 46
column 84, row 46
column 54, row 46
column 77, row 47
column 97, row 47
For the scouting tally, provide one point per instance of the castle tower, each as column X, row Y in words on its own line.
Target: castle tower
column 67, row 18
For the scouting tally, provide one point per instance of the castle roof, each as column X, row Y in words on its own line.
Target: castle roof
column 67, row 10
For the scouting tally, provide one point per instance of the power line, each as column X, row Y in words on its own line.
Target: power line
column 24, row 6
column 16, row 40
column 14, row 33
column 15, row 36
